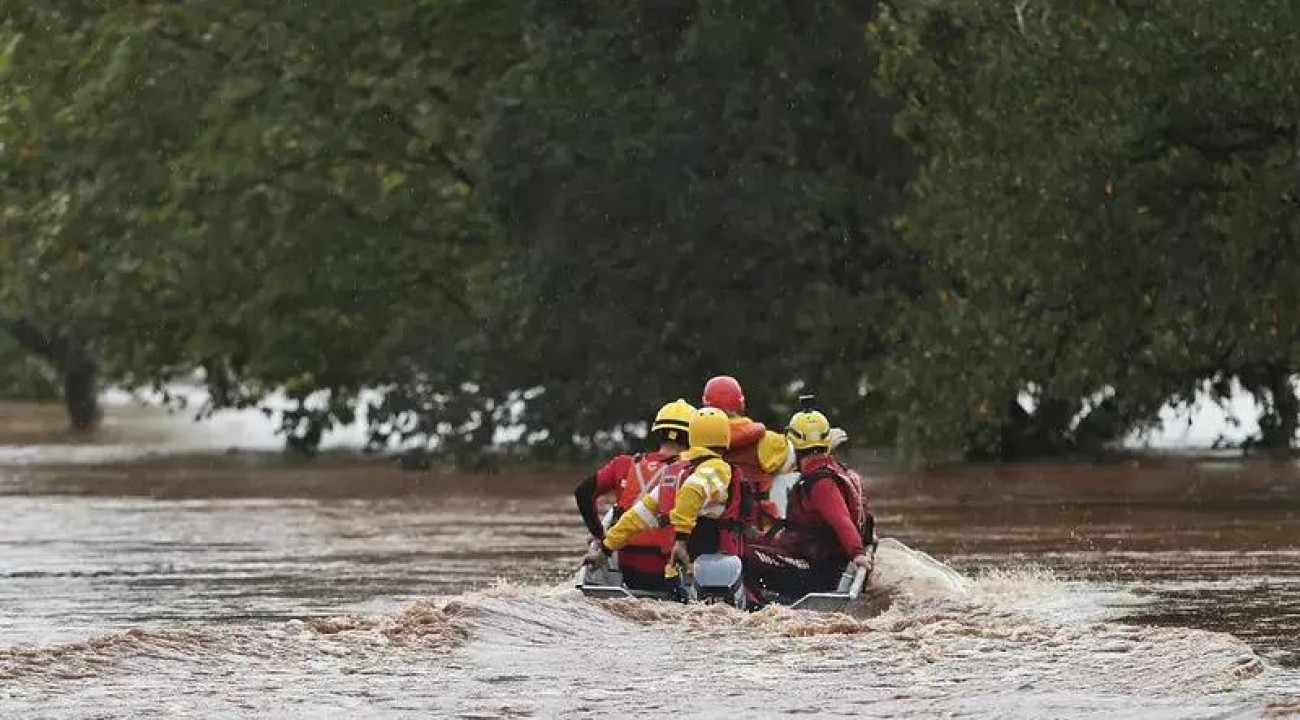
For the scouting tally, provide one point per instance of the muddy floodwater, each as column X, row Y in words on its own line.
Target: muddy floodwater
column 138, row 581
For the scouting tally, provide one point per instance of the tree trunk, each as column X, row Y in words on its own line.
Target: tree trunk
column 72, row 359
column 1042, row 433
column 1104, row 424
column 1281, row 417
column 81, row 392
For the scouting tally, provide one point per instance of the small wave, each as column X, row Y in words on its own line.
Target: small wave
column 1283, row 709
column 904, row 571
column 921, row 582
column 425, row 623
column 722, row 619
column 1023, row 581
column 88, row 658
column 792, row 623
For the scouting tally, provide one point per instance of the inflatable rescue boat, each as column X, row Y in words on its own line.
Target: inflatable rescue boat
column 717, row 578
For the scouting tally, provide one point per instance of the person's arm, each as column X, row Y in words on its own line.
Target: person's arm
column 604, row 482
column 708, row 484
column 775, row 455
column 830, row 505
column 746, row 432
column 641, row 516
column 585, row 496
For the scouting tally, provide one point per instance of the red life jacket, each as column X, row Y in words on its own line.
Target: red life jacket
column 642, row 477
column 821, row 537
column 743, row 453
column 729, row 526
column 645, row 474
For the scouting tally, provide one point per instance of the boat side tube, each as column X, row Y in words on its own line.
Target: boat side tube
column 849, row 590
column 605, row 584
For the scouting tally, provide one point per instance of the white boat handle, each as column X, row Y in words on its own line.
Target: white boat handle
column 859, row 579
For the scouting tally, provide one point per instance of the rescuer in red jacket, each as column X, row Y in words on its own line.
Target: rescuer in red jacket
column 628, row 478
column 827, row 525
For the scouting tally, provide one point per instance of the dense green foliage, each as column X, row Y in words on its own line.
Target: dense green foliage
column 269, row 195
column 692, row 189
column 551, row 216
column 1109, row 208
column 22, row 376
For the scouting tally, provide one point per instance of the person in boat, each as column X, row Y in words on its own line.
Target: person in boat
column 627, row 478
column 698, row 498
column 827, row 526
column 760, row 453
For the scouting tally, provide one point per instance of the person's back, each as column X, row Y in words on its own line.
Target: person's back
column 698, row 500
column 629, row 478
column 827, row 526
column 826, row 518
column 758, row 452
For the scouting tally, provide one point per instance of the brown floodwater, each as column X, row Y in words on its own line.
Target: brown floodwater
column 162, row 583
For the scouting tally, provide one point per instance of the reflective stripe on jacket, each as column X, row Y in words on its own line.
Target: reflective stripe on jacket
column 699, row 486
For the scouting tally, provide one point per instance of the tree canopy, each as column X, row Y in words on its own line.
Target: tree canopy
column 687, row 189
column 1003, row 228
column 1109, row 208
column 268, row 195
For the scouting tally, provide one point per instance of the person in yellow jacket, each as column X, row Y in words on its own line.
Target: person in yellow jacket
column 696, row 498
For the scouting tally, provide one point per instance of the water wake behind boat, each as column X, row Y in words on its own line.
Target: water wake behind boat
column 928, row 641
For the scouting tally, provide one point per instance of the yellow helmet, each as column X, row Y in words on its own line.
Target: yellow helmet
column 674, row 419
column 809, row 429
column 710, row 428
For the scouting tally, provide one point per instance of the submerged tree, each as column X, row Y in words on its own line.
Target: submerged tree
column 549, row 217
column 23, row 377
column 1109, row 200
column 690, row 189
column 262, row 193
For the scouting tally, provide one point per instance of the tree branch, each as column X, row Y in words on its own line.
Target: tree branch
column 31, row 338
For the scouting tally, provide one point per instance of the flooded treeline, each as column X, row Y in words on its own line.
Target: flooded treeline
column 1004, row 228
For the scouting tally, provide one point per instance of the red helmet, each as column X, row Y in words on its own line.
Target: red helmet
column 724, row 393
